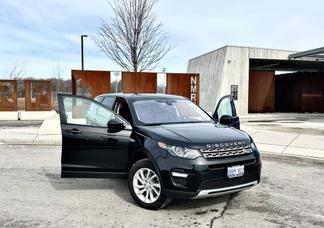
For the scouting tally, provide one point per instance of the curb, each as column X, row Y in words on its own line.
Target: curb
column 292, row 157
column 29, row 143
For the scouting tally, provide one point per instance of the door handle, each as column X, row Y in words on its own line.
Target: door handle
column 74, row 131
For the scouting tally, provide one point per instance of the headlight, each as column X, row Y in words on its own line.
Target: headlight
column 253, row 146
column 182, row 152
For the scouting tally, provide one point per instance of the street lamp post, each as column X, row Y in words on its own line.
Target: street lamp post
column 82, row 58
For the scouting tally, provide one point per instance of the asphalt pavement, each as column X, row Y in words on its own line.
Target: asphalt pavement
column 32, row 194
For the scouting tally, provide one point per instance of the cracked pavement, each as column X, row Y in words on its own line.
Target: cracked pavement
column 32, row 194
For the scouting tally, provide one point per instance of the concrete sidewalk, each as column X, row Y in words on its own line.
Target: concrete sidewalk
column 278, row 135
column 48, row 132
column 296, row 142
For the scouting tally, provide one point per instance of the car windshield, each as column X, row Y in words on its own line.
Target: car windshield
column 168, row 111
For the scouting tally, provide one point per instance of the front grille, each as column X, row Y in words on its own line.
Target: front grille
column 223, row 183
column 211, row 153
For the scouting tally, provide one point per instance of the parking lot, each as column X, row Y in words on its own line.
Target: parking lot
column 32, row 194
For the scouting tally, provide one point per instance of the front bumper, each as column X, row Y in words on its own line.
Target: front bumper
column 223, row 191
column 206, row 178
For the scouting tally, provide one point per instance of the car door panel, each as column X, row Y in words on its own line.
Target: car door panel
column 103, row 147
column 88, row 147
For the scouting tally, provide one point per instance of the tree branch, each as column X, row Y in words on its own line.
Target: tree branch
column 133, row 39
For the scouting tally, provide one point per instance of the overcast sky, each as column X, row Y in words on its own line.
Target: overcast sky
column 41, row 34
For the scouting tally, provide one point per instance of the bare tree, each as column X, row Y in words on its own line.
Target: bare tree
column 57, row 81
column 15, row 71
column 58, row 71
column 133, row 39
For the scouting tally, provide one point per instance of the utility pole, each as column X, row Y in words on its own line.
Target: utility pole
column 82, row 58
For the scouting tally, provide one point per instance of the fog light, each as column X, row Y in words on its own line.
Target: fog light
column 182, row 175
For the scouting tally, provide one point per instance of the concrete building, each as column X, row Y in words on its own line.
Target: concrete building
column 264, row 80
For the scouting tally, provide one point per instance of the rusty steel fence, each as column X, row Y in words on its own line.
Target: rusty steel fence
column 38, row 95
column 186, row 85
column 92, row 83
column 139, row 82
column 8, row 95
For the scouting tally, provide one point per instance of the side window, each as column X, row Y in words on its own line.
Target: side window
column 123, row 110
column 83, row 111
column 225, row 108
column 109, row 102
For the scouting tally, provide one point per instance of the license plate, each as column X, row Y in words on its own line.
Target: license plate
column 235, row 171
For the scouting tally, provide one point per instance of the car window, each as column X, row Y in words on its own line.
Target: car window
column 163, row 111
column 185, row 110
column 225, row 108
column 83, row 111
column 108, row 102
column 123, row 110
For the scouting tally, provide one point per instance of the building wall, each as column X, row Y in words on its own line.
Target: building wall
column 264, row 53
column 218, row 71
column 210, row 67
column 228, row 66
column 236, row 72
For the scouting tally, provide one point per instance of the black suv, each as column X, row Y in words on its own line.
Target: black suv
column 165, row 145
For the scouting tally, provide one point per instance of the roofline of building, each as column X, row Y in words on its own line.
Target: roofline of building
column 210, row 52
column 238, row 46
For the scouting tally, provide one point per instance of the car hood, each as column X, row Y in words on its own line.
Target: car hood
column 196, row 135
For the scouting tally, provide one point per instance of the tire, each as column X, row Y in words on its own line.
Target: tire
column 145, row 185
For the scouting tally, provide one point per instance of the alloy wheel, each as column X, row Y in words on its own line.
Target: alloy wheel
column 146, row 185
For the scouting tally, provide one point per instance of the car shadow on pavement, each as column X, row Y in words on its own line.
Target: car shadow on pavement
column 120, row 188
column 84, row 183
column 197, row 203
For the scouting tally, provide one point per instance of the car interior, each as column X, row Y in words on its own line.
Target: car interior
column 122, row 109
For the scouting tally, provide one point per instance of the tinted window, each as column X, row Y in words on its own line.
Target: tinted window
column 162, row 111
column 108, row 102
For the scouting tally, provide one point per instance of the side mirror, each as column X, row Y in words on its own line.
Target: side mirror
column 226, row 120
column 115, row 125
